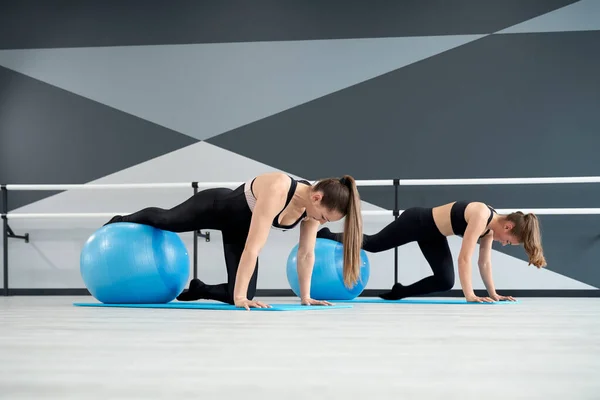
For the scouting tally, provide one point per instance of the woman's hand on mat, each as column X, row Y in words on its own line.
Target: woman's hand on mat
column 498, row 297
column 313, row 302
column 477, row 299
column 245, row 303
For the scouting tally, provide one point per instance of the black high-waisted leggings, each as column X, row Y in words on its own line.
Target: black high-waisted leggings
column 414, row 224
column 219, row 209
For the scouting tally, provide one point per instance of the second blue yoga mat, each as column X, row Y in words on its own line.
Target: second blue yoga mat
column 417, row 301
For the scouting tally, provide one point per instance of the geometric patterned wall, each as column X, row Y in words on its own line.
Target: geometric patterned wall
column 374, row 89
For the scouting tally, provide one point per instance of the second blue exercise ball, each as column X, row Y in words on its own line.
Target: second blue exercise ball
column 127, row 263
column 327, row 282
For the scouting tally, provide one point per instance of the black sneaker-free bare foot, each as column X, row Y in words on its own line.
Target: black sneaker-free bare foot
column 325, row 233
column 195, row 291
column 116, row 218
column 396, row 293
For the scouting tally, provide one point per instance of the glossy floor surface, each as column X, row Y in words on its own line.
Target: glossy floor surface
column 536, row 349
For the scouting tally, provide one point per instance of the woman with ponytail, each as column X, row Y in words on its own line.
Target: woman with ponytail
column 247, row 214
column 430, row 227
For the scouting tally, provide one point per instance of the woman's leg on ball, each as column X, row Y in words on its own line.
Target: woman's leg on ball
column 414, row 224
column 197, row 212
column 406, row 228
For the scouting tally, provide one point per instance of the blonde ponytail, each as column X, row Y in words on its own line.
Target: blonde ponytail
column 532, row 241
column 527, row 231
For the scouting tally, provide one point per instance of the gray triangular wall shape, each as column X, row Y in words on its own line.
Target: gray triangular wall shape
column 157, row 23
column 583, row 15
column 204, row 90
column 52, row 136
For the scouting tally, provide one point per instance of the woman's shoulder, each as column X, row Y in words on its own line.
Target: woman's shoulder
column 273, row 182
column 274, row 178
column 477, row 209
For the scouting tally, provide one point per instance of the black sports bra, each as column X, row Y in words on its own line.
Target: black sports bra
column 457, row 218
column 290, row 194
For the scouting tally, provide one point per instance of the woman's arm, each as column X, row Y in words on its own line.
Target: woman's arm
column 477, row 223
column 268, row 205
column 485, row 263
column 485, row 267
column 306, row 260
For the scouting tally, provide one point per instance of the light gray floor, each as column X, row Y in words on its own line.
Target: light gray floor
column 538, row 349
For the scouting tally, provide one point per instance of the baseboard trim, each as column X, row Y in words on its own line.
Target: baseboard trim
column 458, row 293
column 366, row 293
column 49, row 292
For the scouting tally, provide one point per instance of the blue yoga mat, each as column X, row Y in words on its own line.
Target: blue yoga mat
column 419, row 301
column 215, row 306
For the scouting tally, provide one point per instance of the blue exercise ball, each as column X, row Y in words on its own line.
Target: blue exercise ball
column 327, row 282
column 127, row 263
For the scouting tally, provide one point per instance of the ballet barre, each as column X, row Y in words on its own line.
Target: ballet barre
column 359, row 182
column 396, row 212
column 538, row 211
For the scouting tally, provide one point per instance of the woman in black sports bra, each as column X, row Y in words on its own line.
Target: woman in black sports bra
column 246, row 215
column 430, row 227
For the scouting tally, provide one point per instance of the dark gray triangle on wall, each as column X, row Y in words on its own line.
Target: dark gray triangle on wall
column 501, row 106
column 88, row 23
column 51, row 136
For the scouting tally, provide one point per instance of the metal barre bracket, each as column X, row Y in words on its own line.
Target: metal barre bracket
column 204, row 235
column 199, row 232
column 11, row 234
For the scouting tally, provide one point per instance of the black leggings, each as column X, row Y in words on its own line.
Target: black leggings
column 219, row 209
column 414, row 224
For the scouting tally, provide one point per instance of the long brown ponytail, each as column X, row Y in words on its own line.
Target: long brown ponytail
column 342, row 195
column 527, row 231
column 352, row 234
